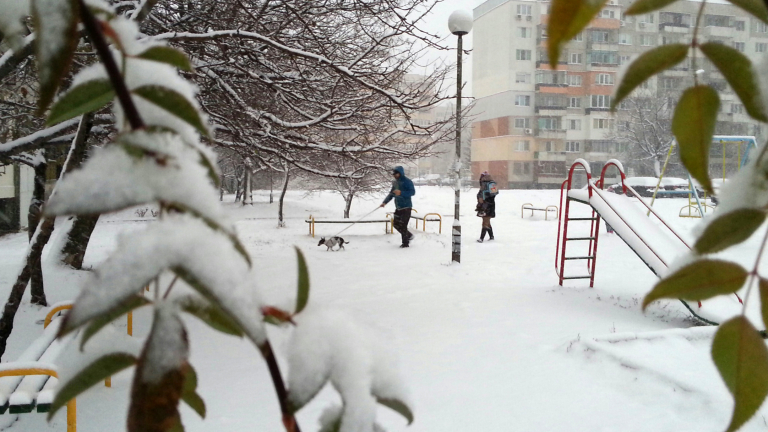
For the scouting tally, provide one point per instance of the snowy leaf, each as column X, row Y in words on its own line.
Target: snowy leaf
column 57, row 37
column 764, row 301
column 168, row 55
column 174, row 103
column 701, row 280
column 160, row 375
column 189, row 393
column 741, row 358
column 98, row 322
column 568, row 18
column 730, row 229
column 95, row 373
column 12, row 21
column 303, row 292
column 694, row 125
column 645, row 6
column 398, row 406
column 754, row 7
column 211, row 315
column 742, row 77
column 647, row 65
column 84, row 98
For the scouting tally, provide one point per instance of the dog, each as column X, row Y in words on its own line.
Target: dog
column 333, row 241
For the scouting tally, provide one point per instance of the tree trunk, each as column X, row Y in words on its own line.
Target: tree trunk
column 35, row 263
column 271, row 197
column 73, row 252
column 348, row 200
column 657, row 166
column 39, row 239
column 280, row 219
column 247, row 195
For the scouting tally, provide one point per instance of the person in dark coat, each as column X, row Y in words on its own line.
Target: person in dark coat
column 402, row 191
column 486, row 206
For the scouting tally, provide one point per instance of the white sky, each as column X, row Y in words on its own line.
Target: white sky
column 437, row 23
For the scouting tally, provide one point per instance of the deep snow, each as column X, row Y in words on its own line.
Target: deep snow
column 492, row 344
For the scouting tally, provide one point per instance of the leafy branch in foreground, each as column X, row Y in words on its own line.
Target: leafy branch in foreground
column 739, row 351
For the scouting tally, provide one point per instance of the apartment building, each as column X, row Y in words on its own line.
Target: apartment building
column 532, row 122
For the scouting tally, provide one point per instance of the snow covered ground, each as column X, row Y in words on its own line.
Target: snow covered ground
column 493, row 344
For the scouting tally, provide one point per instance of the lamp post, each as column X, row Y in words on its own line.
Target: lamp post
column 460, row 24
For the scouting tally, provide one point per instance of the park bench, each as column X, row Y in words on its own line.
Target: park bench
column 29, row 383
column 312, row 222
column 546, row 210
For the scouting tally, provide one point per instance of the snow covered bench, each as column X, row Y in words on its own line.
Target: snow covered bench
column 30, row 381
column 546, row 210
column 312, row 221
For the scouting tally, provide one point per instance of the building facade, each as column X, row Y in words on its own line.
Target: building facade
column 532, row 122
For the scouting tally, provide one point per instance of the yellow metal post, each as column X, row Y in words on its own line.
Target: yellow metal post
column 130, row 323
column 72, row 416
column 663, row 171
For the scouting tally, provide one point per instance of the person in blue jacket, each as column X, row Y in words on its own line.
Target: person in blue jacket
column 402, row 191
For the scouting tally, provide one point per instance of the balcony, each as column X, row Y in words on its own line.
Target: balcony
column 556, row 110
column 603, row 46
column 716, row 31
column 551, row 133
column 674, row 28
column 550, row 156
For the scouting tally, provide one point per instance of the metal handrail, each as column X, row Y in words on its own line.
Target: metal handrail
column 43, row 369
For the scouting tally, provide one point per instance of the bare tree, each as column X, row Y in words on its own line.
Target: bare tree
column 644, row 129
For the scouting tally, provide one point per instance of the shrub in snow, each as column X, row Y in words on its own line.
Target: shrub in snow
column 191, row 256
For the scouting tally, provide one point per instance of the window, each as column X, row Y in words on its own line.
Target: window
column 574, row 80
column 521, row 168
column 646, row 40
column 600, row 36
column 549, row 123
column 601, row 147
column 602, row 123
column 761, row 27
column 575, row 58
column 574, row 124
column 761, row 47
column 524, row 32
column 604, row 57
column 574, row 102
column 670, row 83
column 522, row 146
column 740, row 25
column 524, row 78
column 522, row 123
column 572, row 146
column 524, row 9
column 739, row 46
column 601, row 101
column 523, row 54
column 624, row 59
column 607, row 13
column 674, row 19
column 737, row 108
column 625, row 39
column 549, row 146
column 604, row 79
column 646, row 19
column 522, row 100
column 717, row 21
column 579, row 37
column 645, row 85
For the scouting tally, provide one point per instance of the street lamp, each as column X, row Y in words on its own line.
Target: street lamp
column 460, row 24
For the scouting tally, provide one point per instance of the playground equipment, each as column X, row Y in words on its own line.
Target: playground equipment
column 546, row 210
column 700, row 209
column 654, row 241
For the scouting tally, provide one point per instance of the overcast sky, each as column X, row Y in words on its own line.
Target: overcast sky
column 438, row 23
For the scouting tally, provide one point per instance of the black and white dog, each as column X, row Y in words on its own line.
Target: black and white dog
column 333, row 241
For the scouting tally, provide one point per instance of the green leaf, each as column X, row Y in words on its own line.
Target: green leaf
column 127, row 305
column 568, row 18
column 174, row 103
column 640, row 7
column 55, row 22
column 165, row 54
column 647, row 65
column 216, row 318
column 303, row 293
column 87, row 97
column 189, row 392
column 754, row 7
column 741, row 357
column 738, row 70
column 95, row 373
column 694, row 125
column 764, row 301
column 400, row 407
column 730, row 229
column 701, row 280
